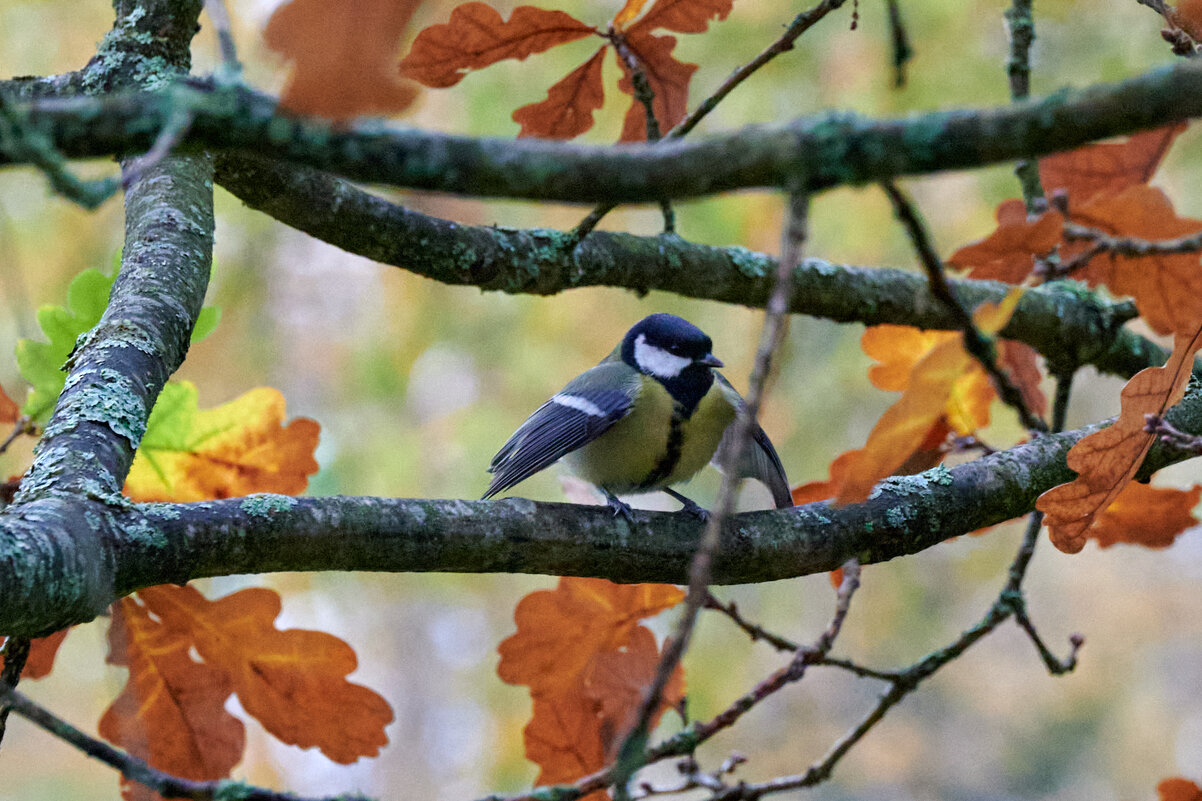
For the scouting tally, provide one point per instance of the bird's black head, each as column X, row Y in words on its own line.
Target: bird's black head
column 674, row 352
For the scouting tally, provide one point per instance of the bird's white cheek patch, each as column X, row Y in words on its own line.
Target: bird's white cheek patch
column 657, row 361
column 579, row 404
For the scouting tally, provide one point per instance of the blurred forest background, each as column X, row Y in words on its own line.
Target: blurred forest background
column 416, row 384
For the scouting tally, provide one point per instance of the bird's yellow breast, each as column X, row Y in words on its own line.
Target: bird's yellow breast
column 638, row 453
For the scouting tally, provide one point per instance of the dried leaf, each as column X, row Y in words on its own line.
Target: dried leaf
column 1107, row 168
column 343, row 56
column 941, row 386
column 564, row 739
column 293, row 681
column 668, row 78
column 1178, row 789
column 568, row 109
column 171, row 711
column 1106, row 460
column 560, row 630
column 682, row 16
column 1009, row 253
column 1022, row 363
column 9, row 411
column 587, row 661
column 234, row 449
column 477, row 36
column 1167, row 288
column 1144, row 515
column 628, row 12
column 42, row 651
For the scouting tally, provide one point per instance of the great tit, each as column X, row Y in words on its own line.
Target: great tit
column 650, row 415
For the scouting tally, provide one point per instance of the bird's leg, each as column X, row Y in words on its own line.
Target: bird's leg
column 689, row 506
column 620, row 507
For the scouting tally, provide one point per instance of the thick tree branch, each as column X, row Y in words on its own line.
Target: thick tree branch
column 58, row 538
column 810, row 154
column 158, row 543
column 1064, row 321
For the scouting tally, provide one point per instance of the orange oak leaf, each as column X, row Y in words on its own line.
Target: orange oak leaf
column 940, row 384
column 1022, row 363
column 171, row 711
column 564, row 739
column 668, row 78
column 682, row 16
column 568, row 109
column 293, row 681
column 1188, row 16
column 343, row 56
column 1106, row 460
column 1107, row 168
column 576, row 733
column 1167, row 288
column 898, row 349
column 628, row 12
column 1144, row 515
column 560, row 630
column 477, row 36
column 584, row 656
column 1009, row 253
column 9, row 410
column 1178, row 789
column 42, row 651
column 234, row 449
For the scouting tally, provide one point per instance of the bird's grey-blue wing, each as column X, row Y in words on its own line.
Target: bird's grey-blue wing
column 582, row 411
column 760, row 461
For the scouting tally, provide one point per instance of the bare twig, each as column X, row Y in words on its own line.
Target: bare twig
column 15, row 653
column 220, row 18
column 902, row 51
column 1132, row 246
column 753, row 631
column 38, row 150
column 169, row 136
column 976, row 343
column 630, row 755
column 800, row 24
column 1169, row 434
column 23, row 425
column 1021, row 23
column 135, row 769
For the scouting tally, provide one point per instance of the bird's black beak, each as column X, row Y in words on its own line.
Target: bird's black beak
column 711, row 360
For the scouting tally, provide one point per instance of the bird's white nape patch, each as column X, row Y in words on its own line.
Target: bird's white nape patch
column 579, row 404
column 657, row 361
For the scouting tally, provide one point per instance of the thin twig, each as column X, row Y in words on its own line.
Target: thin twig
column 220, row 17
column 23, row 425
column 1169, row 434
column 176, row 127
column 755, row 632
column 645, row 95
column 1021, row 23
column 15, row 653
column 38, row 150
column 902, row 51
column 976, row 343
column 800, row 24
column 630, row 755
column 1132, row 246
column 135, row 769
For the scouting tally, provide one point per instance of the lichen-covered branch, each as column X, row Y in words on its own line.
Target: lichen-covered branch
column 810, row 154
column 157, row 543
column 59, row 537
column 1066, row 322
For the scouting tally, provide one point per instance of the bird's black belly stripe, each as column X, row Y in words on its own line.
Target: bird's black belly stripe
column 667, row 463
